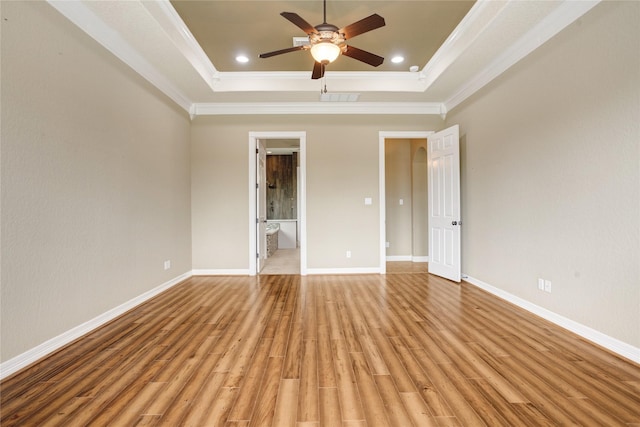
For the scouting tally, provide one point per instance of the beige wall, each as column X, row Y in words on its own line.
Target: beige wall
column 419, row 198
column 406, row 180
column 342, row 169
column 550, row 174
column 398, row 187
column 95, row 180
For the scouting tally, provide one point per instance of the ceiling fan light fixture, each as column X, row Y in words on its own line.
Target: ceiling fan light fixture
column 325, row 52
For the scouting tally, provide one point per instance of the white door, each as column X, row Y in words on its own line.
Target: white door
column 444, row 203
column 261, row 204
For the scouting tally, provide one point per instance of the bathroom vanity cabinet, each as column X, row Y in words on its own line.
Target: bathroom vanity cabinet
column 288, row 235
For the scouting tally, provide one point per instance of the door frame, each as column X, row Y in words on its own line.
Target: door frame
column 302, row 213
column 382, row 137
column 261, row 205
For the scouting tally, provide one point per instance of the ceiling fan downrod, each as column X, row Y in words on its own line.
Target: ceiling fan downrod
column 324, row 19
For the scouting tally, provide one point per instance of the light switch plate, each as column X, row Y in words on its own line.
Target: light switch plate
column 368, row 201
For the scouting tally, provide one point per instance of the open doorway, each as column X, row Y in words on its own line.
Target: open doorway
column 277, row 203
column 403, row 207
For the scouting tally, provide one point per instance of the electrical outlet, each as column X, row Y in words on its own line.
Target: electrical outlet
column 167, row 264
column 348, row 254
column 541, row 284
column 547, row 286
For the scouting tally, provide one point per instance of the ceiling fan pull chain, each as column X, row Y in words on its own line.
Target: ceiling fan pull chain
column 324, row 78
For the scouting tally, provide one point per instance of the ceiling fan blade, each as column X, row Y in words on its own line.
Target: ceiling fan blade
column 363, row 55
column 299, row 22
column 318, row 71
column 362, row 26
column 281, row 51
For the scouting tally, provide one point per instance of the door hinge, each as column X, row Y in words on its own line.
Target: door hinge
column 257, row 255
column 257, row 185
column 257, row 150
column 257, row 220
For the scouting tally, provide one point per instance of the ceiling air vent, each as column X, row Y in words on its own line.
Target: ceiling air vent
column 339, row 97
column 300, row 41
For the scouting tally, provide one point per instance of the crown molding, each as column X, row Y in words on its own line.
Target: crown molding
column 178, row 32
column 479, row 18
column 80, row 15
column 243, row 108
column 300, row 81
column 566, row 13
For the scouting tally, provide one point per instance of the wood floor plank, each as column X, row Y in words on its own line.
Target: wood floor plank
column 433, row 399
column 285, row 415
column 347, row 324
column 351, row 315
column 125, row 382
column 309, row 317
column 418, row 410
column 374, row 409
column 264, row 410
column 220, row 407
column 401, row 349
column 147, row 420
column 326, row 373
column 202, row 405
column 248, row 393
column 346, row 383
column 293, row 355
column 392, row 401
column 177, row 398
column 329, row 401
column 308, row 400
column 397, row 370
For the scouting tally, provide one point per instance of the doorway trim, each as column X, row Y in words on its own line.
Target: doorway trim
column 302, row 214
column 382, row 137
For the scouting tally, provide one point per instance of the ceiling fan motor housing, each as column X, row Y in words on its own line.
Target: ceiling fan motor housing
column 327, row 33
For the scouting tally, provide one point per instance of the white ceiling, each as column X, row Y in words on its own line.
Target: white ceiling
column 458, row 47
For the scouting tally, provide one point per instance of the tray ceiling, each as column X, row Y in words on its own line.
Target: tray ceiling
column 187, row 49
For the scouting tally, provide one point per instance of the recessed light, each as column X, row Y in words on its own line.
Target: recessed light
column 397, row 59
column 242, row 59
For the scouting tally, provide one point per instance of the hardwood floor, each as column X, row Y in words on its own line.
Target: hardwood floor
column 400, row 349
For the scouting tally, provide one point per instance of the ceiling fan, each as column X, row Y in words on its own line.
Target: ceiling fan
column 327, row 42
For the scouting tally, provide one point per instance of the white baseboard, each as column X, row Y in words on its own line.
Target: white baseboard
column 372, row 270
column 220, row 272
column 411, row 258
column 619, row 347
column 392, row 258
column 28, row 357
